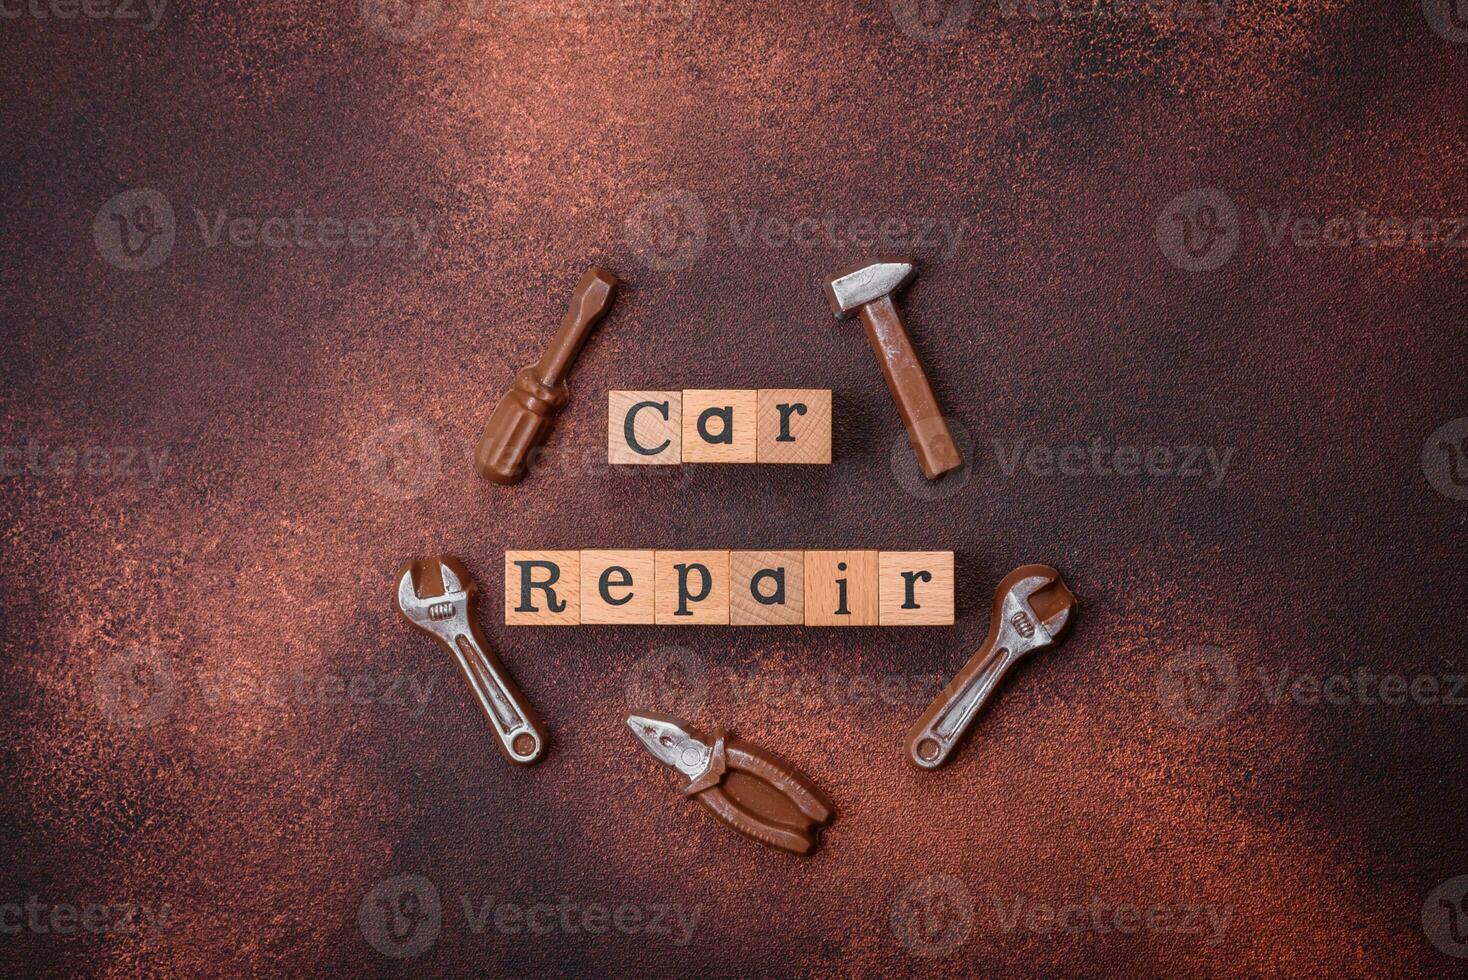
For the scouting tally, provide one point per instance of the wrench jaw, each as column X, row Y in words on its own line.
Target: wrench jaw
column 444, row 615
column 1036, row 611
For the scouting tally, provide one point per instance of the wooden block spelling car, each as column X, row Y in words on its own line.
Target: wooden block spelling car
column 766, row 425
column 739, row 588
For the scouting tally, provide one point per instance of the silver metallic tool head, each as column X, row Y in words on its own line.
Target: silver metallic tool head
column 850, row 290
column 446, row 613
column 1023, row 629
column 672, row 741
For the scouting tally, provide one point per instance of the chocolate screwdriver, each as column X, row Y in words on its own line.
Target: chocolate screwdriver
column 525, row 414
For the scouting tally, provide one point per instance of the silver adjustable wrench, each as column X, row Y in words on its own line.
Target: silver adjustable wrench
column 437, row 596
column 1032, row 610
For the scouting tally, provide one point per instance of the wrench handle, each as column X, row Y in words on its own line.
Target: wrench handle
column 938, row 732
column 517, row 729
column 936, row 451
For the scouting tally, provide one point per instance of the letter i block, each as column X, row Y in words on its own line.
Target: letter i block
column 645, row 428
column 542, row 588
column 617, row 587
column 766, row 588
column 719, row 426
column 692, row 588
column 916, row 588
column 841, row 588
column 794, row 425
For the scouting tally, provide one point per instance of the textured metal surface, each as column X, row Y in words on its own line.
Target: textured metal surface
column 211, row 706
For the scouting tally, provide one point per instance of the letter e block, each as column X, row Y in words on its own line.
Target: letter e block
column 766, row 588
column 794, row 425
column 841, row 588
column 617, row 587
column 692, row 588
column 645, row 428
column 719, row 426
column 542, row 588
column 916, row 588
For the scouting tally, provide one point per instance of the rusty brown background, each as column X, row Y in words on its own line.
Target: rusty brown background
column 177, row 651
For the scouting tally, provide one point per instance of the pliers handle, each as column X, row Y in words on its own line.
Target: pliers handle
column 761, row 795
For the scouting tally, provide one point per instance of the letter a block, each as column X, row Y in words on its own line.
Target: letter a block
column 719, row 426
column 916, row 588
column 543, row 588
column 645, row 428
column 766, row 588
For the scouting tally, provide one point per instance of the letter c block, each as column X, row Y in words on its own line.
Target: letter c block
column 645, row 428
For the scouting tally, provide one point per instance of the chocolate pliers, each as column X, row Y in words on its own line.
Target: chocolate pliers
column 754, row 791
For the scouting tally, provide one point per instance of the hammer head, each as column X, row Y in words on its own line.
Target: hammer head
column 850, row 290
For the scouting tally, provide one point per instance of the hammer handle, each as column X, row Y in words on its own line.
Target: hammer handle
column 931, row 441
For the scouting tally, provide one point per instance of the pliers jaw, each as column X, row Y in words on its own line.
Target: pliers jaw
column 673, row 742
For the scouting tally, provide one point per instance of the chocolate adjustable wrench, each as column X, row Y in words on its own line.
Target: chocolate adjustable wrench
column 1032, row 610
column 437, row 596
column 756, row 792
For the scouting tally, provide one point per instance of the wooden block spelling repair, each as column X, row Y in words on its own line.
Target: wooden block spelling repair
column 645, row 428
column 719, row 426
column 916, row 588
column 794, row 425
column 692, row 588
column 841, row 588
column 542, row 588
column 766, row 588
column 617, row 588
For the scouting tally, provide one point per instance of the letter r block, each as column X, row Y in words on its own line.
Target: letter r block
column 542, row 588
column 794, row 425
column 645, row 428
column 916, row 588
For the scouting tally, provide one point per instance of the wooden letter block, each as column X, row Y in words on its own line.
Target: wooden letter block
column 645, row 427
column 766, row 588
column 794, row 425
column 542, row 588
column 916, row 588
column 617, row 587
column 719, row 426
column 692, row 588
column 841, row 588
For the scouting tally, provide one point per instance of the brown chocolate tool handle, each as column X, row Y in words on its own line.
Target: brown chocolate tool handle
column 518, row 730
column 765, row 798
column 590, row 302
column 936, row 451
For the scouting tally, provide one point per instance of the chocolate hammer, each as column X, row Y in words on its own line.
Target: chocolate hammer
column 867, row 289
column 525, row 414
